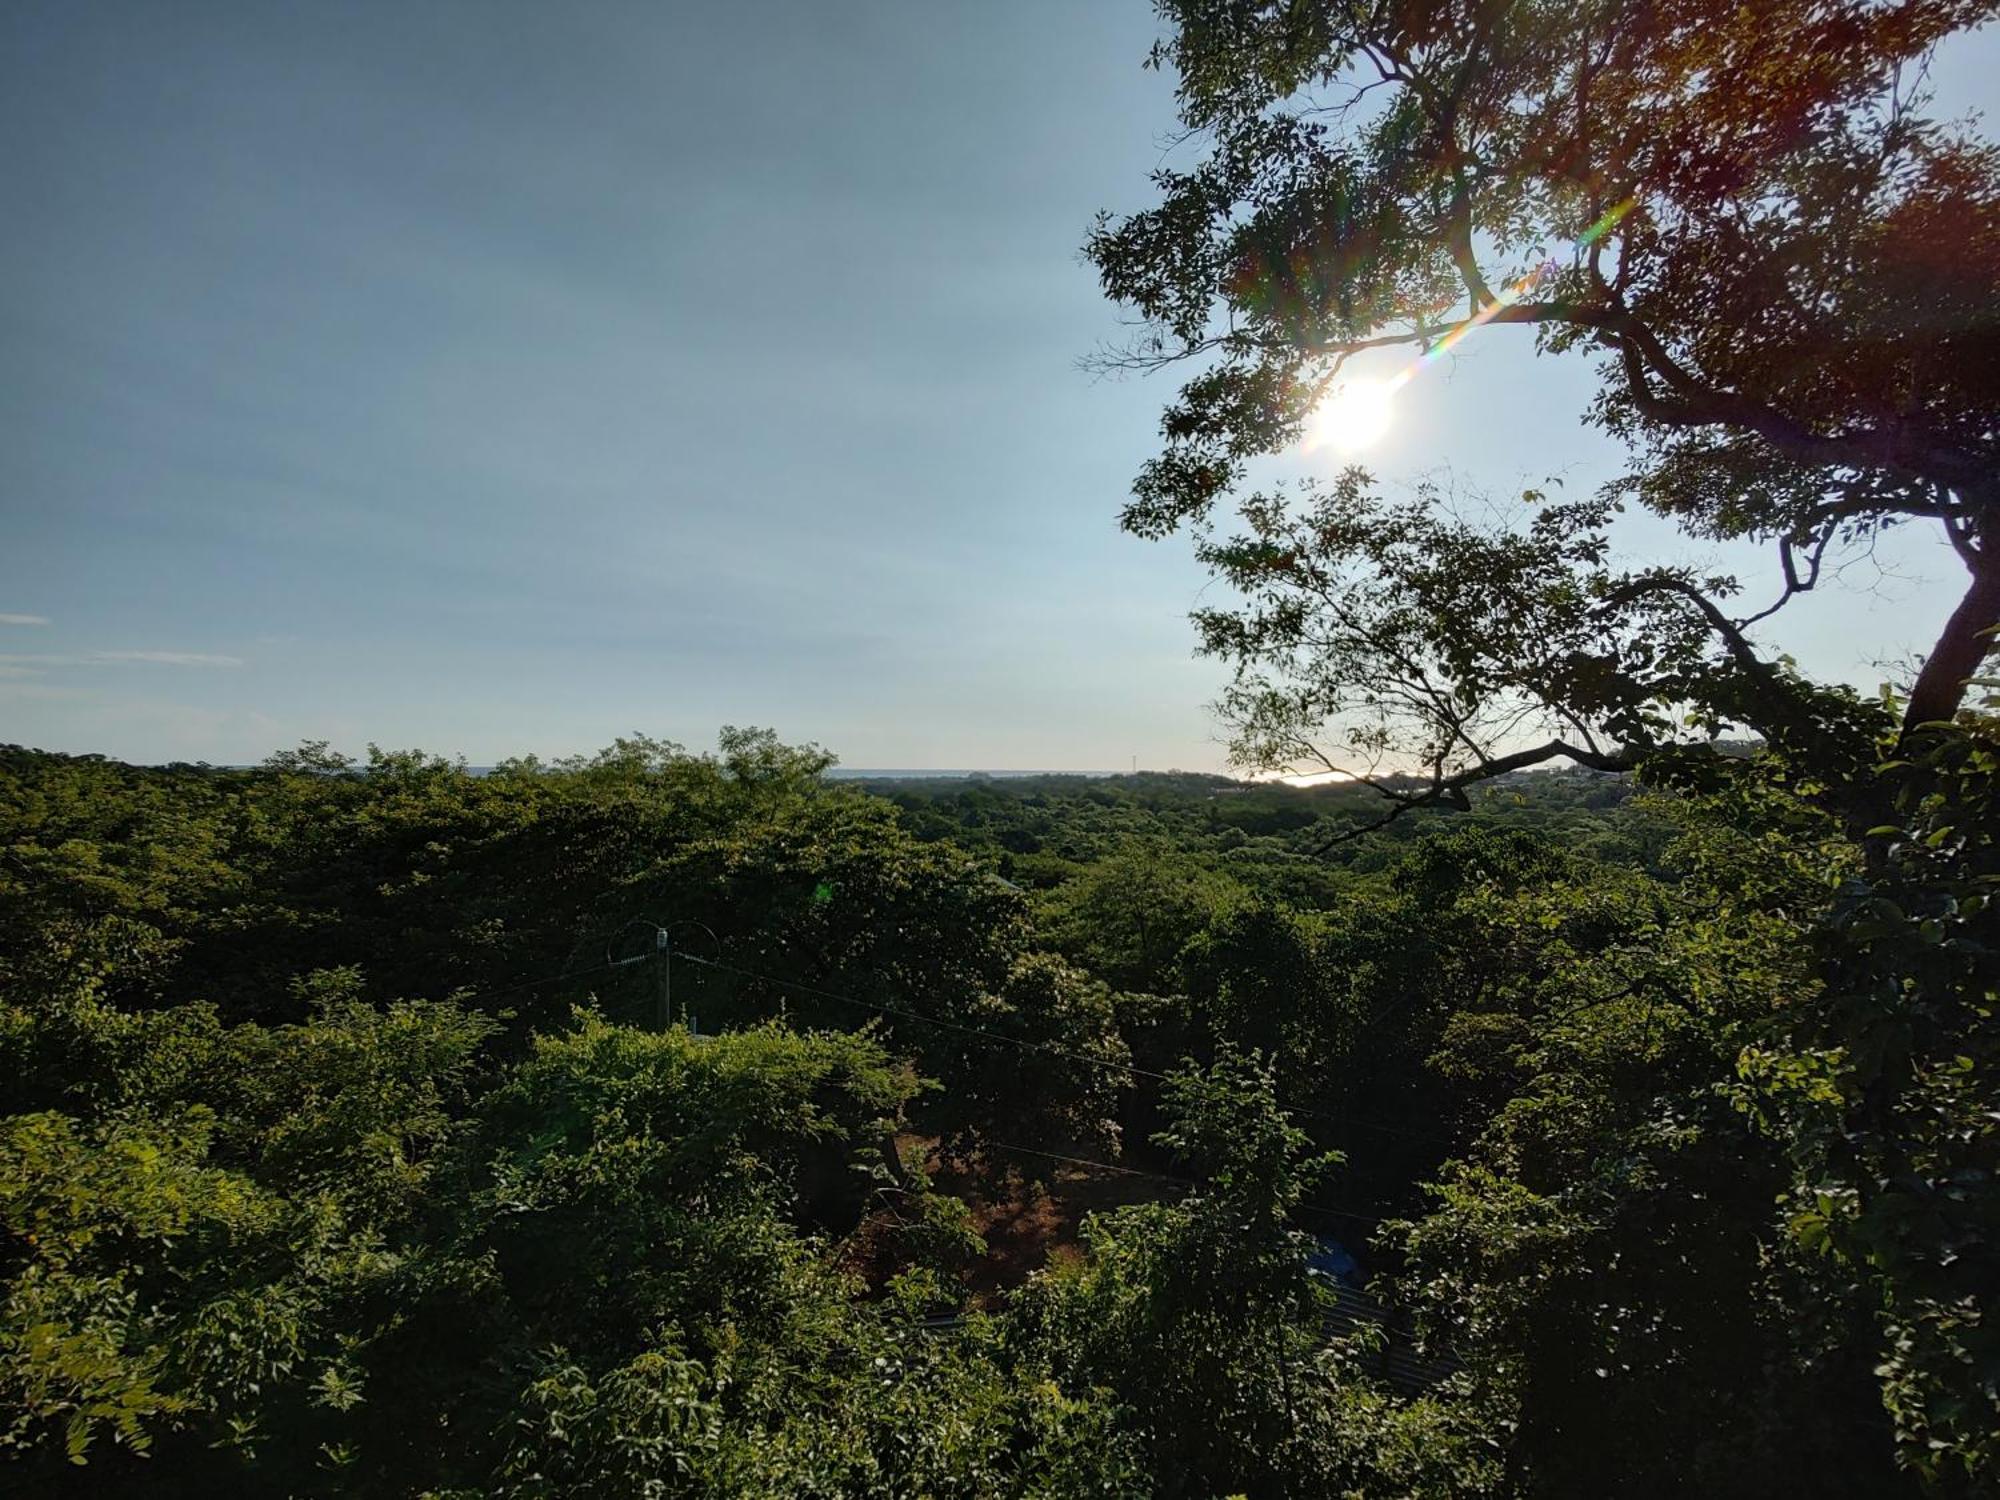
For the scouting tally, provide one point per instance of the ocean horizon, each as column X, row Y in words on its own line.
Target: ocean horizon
column 924, row 773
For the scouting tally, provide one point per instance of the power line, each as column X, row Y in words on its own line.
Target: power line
column 1130, row 1069
column 529, row 984
column 992, row 1036
column 1105, row 1166
column 996, row 1036
column 894, row 1010
column 931, row 1021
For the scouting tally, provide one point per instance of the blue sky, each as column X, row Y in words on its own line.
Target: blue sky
column 500, row 377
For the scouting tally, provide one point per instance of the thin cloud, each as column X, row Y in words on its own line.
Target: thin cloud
column 7, row 619
column 16, row 662
column 169, row 658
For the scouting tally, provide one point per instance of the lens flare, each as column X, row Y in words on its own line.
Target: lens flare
column 1357, row 413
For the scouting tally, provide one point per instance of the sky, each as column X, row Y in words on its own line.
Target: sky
column 496, row 378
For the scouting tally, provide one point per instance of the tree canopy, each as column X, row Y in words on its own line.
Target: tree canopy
column 667, row 1123
column 1785, row 267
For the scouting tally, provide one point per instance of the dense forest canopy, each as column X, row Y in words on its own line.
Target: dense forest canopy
column 670, row 1123
column 997, row 1135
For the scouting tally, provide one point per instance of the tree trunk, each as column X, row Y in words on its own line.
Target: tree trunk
column 1968, row 636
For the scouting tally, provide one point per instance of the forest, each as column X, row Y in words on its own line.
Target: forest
column 1588, row 1085
column 1003, row 1137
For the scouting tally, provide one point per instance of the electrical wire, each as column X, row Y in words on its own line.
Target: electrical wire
column 529, row 984
column 1130, row 1069
column 1075, row 1161
column 991, row 1036
column 893, row 1010
column 1051, row 1049
column 1105, row 1166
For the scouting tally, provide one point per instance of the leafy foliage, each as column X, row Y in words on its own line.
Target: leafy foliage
column 1736, row 211
column 274, row 1229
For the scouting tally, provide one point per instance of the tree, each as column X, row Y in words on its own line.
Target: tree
column 1202, row 1317
column 1742, row 210
column 1128, row 917
column 1738, row 209
column 1604, row 1255
column 1886, row 1085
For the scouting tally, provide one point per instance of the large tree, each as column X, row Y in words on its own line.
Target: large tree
column 1790, row 276
column 1786, row 269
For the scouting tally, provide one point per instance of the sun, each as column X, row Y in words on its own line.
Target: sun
column 1354, row 416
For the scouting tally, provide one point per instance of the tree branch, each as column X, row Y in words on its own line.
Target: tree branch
column 1449, row 791
column 1879, row 447
column 1733, row 638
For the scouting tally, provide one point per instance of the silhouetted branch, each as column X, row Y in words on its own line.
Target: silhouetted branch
column 1449, row 791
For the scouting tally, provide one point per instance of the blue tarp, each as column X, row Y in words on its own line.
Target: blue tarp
column 1331, row 1259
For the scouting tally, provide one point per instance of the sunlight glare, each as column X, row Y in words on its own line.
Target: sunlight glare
column 1352, row 417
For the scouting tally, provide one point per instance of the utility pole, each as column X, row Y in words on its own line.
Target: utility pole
column 663, row 945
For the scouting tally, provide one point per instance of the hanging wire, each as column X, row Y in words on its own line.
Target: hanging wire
column 529, row 984
column 1050, row 1048
column 1105, row 1166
